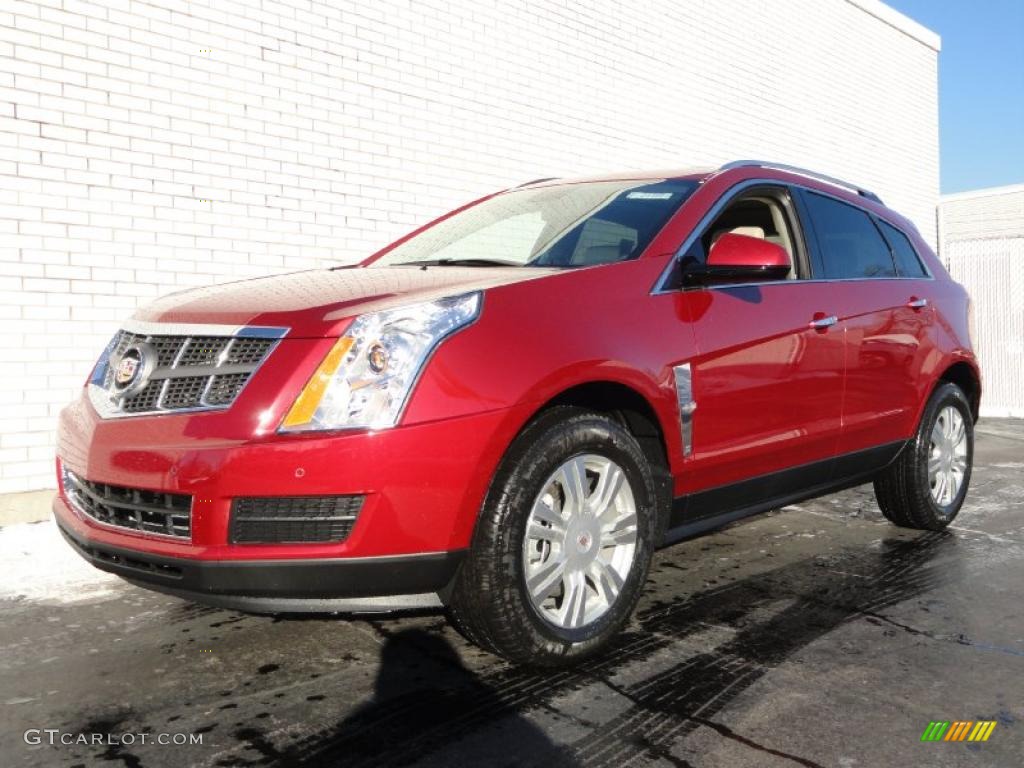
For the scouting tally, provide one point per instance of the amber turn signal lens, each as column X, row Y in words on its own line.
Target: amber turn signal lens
column 307, row 402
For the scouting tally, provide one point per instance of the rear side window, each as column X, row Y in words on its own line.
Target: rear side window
column 908, row 263
column 850, row 243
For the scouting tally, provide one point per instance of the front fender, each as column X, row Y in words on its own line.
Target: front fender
column 538, row 339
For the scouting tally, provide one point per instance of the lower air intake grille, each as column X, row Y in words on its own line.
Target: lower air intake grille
column 293, row 519
column 140, row 563
column 169, row 514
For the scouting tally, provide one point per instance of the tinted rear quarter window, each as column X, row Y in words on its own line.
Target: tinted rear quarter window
column 908, row 263
column 850, row 243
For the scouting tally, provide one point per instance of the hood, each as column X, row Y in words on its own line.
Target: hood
column 319, row 302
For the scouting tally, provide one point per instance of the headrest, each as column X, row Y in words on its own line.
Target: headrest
column 748, row 231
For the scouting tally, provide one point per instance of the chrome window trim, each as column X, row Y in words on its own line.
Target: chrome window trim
column 800, row 281
column 727, row 197
column 100, row 399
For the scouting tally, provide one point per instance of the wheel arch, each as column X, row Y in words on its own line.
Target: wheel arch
column 631, row 407
column 965, row 376
column 635, row 411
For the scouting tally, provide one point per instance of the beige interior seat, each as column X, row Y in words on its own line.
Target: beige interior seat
column 769, row 217
column 749, row 231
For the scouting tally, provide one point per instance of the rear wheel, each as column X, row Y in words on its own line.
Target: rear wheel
column 563, row 544
column 926, row 485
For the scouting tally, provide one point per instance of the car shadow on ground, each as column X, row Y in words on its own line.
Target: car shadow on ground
column 422, row 693
column 428, row 708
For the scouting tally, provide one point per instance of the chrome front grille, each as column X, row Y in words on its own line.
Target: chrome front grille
column 167, row 514
column 181, row 367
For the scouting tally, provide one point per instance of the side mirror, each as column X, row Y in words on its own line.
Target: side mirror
column 735, row 256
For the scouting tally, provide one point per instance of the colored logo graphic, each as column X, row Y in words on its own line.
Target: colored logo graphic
column 126, row 370
column 958, row 730
column 132, row 371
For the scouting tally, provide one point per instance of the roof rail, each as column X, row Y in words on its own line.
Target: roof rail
column 803, row 172
column 536, row 181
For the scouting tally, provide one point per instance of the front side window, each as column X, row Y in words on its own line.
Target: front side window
column 908, row 264
column 850, row 243
column 760, row 214
column 565, row 225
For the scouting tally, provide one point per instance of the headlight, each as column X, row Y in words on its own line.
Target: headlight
column 365, row 379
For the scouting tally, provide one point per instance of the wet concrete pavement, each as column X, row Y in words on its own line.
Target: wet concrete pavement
column 815, row 636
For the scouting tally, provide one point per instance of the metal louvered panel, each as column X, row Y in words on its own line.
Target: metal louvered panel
column 186, row 392
column 221, row 390
column 990, row 270
column 293, row 519
column 205, row 350
column 147, row 400
column 182, row 371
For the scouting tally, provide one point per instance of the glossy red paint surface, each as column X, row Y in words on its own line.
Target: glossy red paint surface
column 414, row 495
column 742, row 251
column 772, row 392
column 768, row 387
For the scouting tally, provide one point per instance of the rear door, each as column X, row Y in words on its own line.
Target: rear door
column 886, row 319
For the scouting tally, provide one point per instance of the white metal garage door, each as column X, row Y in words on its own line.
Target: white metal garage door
column 992, row 270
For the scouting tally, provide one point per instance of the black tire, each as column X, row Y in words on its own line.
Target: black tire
column 903, row 489
column 490, row 604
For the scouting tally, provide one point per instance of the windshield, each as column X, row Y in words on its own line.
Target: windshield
column 568, row 225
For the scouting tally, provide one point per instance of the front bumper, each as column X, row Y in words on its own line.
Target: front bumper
column 271, row 586
column 423, row 486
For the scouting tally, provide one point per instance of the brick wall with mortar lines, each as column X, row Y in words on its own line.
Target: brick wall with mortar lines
column 150, row 146
column 983, row 214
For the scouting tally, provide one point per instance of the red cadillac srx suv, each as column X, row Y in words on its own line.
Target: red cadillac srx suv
column 506, row 412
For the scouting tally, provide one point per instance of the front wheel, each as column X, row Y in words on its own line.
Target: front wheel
column 926, row 485
column 563, row 543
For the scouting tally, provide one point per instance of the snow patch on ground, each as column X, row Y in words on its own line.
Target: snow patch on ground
column 37, row 565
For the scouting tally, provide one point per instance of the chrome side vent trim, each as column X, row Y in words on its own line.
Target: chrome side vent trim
column 687, row 405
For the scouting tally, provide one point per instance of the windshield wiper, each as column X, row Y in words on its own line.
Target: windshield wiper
column 461, row 263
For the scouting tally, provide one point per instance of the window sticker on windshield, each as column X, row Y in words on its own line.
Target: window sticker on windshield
column 649, row 196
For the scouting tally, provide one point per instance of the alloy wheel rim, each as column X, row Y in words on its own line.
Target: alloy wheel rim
column 580, row 541
column 947, row 456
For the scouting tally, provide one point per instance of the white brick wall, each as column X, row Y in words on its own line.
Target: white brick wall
column 982, row 244
column 146, row 146
column 997, row 212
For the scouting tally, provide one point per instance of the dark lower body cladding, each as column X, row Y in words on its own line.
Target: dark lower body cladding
column 349, row 585
column 713, row 508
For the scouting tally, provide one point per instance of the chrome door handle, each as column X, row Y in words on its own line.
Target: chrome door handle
column 917, row 303
column 820, row 323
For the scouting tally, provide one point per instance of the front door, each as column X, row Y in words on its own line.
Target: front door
column 767, row 382
column 768, row 387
